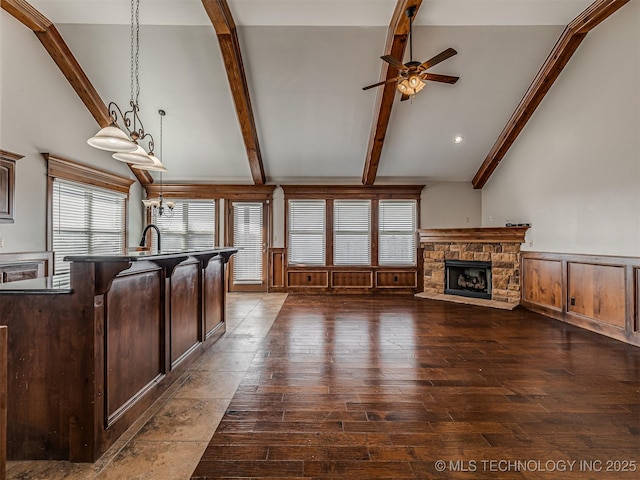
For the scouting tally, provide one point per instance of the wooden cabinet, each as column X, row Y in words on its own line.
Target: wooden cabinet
column 89, row 359
column 7, row 184
column 24, row 266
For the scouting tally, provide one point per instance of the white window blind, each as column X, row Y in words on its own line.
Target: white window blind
column 86, row 221
column 352, row 232
column 306, row 242
column 248, row 236
column 191, row 226
column 397, row 232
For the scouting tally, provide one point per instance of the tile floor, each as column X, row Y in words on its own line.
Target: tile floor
column 168, row 441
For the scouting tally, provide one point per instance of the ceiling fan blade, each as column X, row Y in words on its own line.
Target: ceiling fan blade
column 435, row 77
column 441, row 57
column 380, row 83
column 404, row 97
column 393, row 62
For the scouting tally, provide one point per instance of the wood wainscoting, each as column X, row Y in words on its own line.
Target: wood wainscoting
column 332, row 279
column 599, row 293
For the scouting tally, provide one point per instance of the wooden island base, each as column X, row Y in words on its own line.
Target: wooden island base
column 87, row 359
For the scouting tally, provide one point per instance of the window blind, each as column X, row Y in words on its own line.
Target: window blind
column 86, row 221
column 248, row 236
column 191, row 226
column 352, row 232
column 397, row 232
column 306, row 242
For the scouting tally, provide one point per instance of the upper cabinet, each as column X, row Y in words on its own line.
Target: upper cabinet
column 7, row 184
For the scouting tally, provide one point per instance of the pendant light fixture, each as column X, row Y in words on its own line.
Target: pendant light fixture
column 113, row 137
column 158, row 207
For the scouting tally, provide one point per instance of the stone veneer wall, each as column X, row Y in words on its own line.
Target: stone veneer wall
column 505, row 266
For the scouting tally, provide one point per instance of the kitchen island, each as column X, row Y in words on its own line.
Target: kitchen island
column 91, row 351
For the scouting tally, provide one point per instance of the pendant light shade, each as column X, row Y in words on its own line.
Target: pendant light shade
column 156, row 166
column 112, row 139
column 138, row 157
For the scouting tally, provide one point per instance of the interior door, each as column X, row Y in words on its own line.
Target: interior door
column 248, row 230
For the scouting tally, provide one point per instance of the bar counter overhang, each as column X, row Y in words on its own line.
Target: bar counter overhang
column 89, row 355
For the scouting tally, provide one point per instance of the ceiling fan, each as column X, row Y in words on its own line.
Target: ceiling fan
column 412, row 75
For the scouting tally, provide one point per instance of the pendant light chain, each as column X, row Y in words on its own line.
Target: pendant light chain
column 137, row 68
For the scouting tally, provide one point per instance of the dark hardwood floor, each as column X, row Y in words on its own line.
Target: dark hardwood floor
column 353, row 387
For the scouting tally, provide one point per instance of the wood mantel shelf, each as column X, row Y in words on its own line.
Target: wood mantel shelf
column 473, row 235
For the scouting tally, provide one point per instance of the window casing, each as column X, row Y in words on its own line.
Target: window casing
column 86, row 220
column 191, row 225
column 352, row 232
column 307, row 232
column 397, row 232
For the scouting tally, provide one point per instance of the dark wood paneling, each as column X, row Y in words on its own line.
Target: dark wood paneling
column 38, row 405
column 276, row 268
column 213, row 298
column 636, row 302
column 133, row 329
column 86, row 362
column 396, row 279
column 308, row 279
column 184, row 310
column 542, row 282
column 605, row 289
column 3, row 402
column 597, row 291
column 352, row 279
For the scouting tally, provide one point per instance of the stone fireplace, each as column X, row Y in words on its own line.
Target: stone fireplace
column 497, row 251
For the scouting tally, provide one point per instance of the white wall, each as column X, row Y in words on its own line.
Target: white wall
column 574, row 172
column 41, row 113
column 450, row 205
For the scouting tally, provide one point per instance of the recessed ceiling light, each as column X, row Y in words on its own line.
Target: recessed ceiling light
column 458, row 139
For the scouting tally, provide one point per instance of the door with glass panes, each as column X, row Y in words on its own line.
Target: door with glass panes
column 248, row 230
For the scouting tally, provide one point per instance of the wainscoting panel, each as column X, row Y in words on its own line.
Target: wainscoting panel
column 352, row 279
column 542, row 282
column 599, row 293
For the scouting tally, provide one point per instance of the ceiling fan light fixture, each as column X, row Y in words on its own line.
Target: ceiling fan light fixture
column 411, row 84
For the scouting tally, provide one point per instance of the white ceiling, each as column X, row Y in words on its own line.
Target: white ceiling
column 306, row 62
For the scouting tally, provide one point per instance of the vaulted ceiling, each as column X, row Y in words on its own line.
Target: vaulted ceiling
column 305, row 63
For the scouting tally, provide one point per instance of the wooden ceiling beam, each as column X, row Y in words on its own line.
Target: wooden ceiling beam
column 396, row 44
column 225, row 27
column 54, row 44
column 560, row 55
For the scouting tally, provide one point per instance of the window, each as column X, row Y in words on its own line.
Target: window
column 396, row 234
column 306, row 232
column 352, row 232
column 192, row 225
column 86, row 220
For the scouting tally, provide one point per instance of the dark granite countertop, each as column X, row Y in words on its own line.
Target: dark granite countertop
column 58, row 284
column 137, row 256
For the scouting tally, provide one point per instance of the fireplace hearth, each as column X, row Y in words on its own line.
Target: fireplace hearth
column 468, row 278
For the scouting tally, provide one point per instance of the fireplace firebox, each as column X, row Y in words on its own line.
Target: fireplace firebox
column 468, row 278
